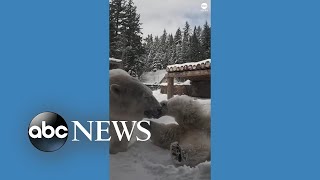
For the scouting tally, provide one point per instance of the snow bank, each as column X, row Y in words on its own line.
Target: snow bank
column 145, row 161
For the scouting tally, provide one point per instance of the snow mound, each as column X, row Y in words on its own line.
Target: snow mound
column 145, row 161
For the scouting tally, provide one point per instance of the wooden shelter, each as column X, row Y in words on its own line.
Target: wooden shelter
column 195, row 71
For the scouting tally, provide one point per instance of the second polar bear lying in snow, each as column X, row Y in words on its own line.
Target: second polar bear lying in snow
column 189, row 140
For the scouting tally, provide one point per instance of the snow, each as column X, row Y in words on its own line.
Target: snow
column 190, row 63
column 145, row 161
column 115, row 60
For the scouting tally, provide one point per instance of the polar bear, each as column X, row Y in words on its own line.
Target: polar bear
column 189, row 140
column 130, row 100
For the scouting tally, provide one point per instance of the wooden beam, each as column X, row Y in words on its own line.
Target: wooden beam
column 170, row 87
column 196, row 73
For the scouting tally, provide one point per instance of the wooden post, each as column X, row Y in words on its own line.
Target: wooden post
column 170, row 87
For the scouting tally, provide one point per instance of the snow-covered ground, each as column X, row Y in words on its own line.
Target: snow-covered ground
column 145, row 161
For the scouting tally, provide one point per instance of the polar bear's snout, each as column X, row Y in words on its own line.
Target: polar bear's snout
column 153, row 113
column 159, row 111
column 152, row 107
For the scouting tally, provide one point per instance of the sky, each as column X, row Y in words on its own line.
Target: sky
column 157, row 15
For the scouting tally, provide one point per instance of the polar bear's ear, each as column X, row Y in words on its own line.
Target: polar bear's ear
column 115, row 89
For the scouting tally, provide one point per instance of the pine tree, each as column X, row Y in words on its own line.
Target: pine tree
column 117, row 14
column 147, row 57
column 164, row 37
column 186, row 43
column 206, row 41
column 199, row 31
column 126, row 35
column 133, row 37
column 177, row 56
column 171, row 49
column 195, row 47
column 163, row 50
column 157, row 54
column 178, row 37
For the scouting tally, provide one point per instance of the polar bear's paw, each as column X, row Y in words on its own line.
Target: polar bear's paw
column 178, row 156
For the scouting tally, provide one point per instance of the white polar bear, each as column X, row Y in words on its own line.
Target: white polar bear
column 189, row 140
column 130, row 100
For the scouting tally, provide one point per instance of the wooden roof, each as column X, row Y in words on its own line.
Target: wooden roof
column 192, row 66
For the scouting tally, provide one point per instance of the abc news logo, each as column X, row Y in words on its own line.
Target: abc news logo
column 48, row 131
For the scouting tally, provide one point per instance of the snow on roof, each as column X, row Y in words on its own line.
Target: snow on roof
column 115, row 60
column 191, row 66
column 152, row 77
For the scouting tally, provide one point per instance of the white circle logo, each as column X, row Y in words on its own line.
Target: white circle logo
column 204, row 5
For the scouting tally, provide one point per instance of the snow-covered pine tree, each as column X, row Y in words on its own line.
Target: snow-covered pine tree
column 163, row 50
column 206, row 40
column 179, row 59
column 186, row 43
column 199, row 31
column 178, row 37
column 157, row 54
column 125, row 34
column 117, row 14
column 133, row 36
column 195, row 47
column 171, row 49
column 148, row 56
column 177, row 56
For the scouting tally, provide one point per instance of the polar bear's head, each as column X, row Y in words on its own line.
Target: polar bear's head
column 177, row 106
column 130, row 99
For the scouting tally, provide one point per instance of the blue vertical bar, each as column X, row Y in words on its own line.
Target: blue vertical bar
column 53, row 57
column 266, row 89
